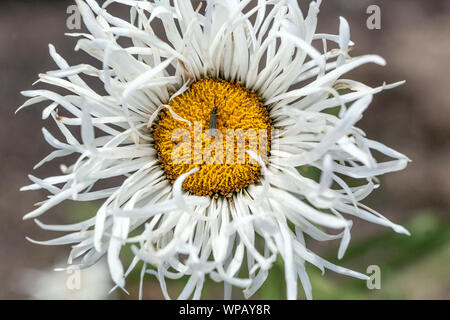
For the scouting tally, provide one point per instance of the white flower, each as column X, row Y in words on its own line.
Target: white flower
column 262, row 54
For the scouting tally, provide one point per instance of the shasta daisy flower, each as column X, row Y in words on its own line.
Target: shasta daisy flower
column 193, row 203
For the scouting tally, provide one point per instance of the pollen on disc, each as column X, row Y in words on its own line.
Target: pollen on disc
column 211, row 126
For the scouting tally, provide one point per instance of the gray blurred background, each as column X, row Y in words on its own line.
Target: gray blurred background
column 414, row 119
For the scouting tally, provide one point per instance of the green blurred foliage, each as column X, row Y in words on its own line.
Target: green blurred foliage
column 414, row 267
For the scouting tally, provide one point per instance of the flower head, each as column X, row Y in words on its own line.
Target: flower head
column 204, row 129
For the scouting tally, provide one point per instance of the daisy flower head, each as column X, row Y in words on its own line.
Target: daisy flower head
column 204, row 129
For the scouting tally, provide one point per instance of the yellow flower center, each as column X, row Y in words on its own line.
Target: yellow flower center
column 210, row 127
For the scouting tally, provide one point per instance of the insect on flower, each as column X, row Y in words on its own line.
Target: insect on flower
column 194, row 218
column 212, row 119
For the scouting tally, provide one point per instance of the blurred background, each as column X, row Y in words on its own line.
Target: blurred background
column 414, row 119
